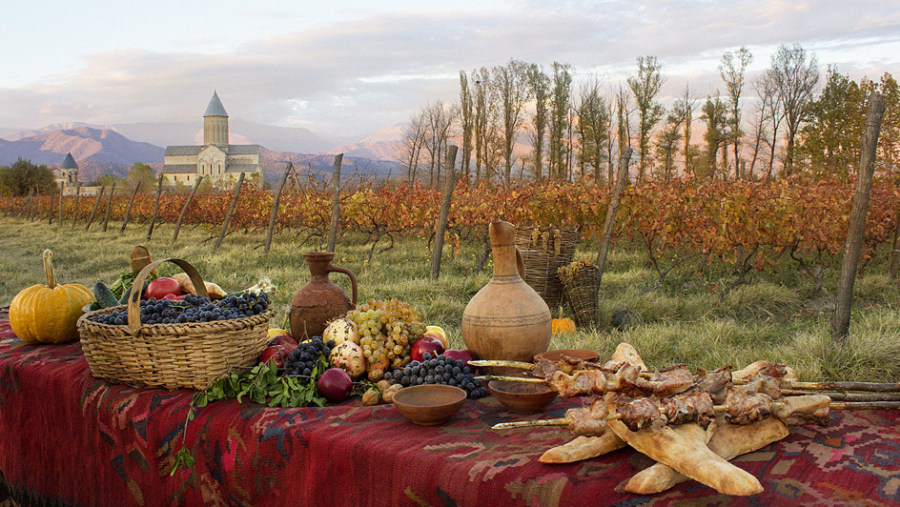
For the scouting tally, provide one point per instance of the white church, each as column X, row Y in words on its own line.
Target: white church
column 217, row 161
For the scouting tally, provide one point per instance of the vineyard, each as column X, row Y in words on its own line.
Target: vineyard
column 738, row 225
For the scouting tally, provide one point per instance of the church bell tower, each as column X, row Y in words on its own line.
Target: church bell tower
column 215, row 123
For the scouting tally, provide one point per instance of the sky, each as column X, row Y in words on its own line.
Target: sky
column 349, row 68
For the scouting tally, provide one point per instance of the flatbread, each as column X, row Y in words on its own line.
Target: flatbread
column 582, row 448
column 626, row 352
column 728, row 441
column 683, row 448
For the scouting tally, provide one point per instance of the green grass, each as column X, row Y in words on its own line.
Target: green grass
column 685, row 320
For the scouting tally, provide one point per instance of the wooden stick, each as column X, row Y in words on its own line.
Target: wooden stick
column 844, row 396
column 112, row 190
column 185, row 207
column 155, row 206
column 273, row 214
column 865, row 405
column 505, row 378
column 128, row 209
column 874, row 387
column 234, row 201
column 94, row 211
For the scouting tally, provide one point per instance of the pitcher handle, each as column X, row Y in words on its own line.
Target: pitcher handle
column 520, row 263
column 337, row 269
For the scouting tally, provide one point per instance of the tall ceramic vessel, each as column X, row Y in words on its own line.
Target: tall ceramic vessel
column 320, row 300
column 506, row 319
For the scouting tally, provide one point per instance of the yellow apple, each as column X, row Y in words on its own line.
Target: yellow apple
column 438, row 333
column 273, row 332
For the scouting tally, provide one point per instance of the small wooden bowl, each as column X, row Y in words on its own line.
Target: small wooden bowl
column 429, row 405
column 556, row 355
column 520, row 397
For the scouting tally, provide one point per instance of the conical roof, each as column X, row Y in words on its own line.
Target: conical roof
column 68, row 162
column 215, row 107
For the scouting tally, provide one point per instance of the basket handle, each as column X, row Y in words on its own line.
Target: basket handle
column 134, row 298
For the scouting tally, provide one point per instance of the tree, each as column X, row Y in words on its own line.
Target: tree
column 143, row 174
column 511, row 84
column 889, row 139
column 413, row 140
column 593, row 121
column 485, row 121
column 645, row 86
column 770, row 110
column 23, row 176
column 467, row 122
column 684, row 107
column 560, row 97
column 715, row 114
column 830, row 140
column 732, row 71
column 667, row 142
column 438, row 120
column 540, row 90
column 794, row 79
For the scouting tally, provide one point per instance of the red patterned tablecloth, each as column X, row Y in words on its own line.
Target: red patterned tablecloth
column 67, row 438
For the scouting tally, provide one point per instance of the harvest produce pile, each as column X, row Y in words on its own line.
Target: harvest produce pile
column 438, row 370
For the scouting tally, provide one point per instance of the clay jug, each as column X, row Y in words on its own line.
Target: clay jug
column 320, row 300
column 506, row 319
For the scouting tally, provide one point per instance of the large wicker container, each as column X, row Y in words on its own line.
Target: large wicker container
column 581, row 287
column 171, row 356
column 544, row 250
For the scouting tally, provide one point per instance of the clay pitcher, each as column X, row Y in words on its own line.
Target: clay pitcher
column 506, row 319
column 320, row 300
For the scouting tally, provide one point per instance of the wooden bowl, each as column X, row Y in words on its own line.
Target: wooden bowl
column 520, row 397
column 556, row 355
column 429, row 405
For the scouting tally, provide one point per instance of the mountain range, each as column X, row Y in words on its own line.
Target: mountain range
column 114, row 149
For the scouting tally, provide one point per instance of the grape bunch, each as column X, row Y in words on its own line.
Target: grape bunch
column 310, row 358
column 438, row 370
column 192, row 308
column 387, row 329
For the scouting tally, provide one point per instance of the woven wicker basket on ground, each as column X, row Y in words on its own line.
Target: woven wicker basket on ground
column 582, row 292
column 172, row 356
column 544, row 250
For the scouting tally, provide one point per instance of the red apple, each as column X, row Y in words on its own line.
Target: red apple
column 161, row 286
column 285, row 340
column 426, row 345
column 460, row 354
column 277, row 353
column 335, row 384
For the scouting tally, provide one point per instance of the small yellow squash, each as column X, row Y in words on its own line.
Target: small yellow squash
column 48, row 313
column 563, row 326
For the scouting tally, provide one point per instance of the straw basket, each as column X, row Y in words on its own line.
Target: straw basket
column 544, row 250
column 171, row 356
column 581, row 288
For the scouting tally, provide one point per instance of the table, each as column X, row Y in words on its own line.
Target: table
column 67, row 438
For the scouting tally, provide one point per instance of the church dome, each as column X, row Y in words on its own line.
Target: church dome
column 215, row 107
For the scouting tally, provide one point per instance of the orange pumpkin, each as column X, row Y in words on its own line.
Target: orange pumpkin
column 562, row 326
column 48, row 313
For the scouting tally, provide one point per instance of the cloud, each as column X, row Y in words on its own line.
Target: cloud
column 359, row 75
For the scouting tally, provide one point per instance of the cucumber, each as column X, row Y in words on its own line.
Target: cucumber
column 124, row 299
column 105, row 297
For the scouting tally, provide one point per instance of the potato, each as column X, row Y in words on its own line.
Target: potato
column 349, row 357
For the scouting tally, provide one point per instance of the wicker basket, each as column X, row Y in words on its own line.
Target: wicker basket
column 544, row 250
column 582, row 291
column 171, row 356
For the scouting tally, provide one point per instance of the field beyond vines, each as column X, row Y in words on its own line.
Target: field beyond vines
column 719, row 274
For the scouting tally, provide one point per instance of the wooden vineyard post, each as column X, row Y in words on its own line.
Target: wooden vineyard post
column 32, row 204
column 24, row 211
column 77, row 196
column 611, row 211
column 274, row 213
column 50, row 207
column 112, row 190
column 128, row 209
column 156, row 206
column 94, row 211
column 444, row 214
column 234, row 200
column 335, row 202
column 62, row 187
column 184, row 209
column 840, row 323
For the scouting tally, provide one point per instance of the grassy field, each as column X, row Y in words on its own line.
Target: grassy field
column 684, row 320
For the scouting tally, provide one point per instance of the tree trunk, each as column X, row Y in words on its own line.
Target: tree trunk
column 184, row 208
column 335, row 202
column 840, row 324
column 274, row 213
column 128, row 209
column 155, row 206
column 234, row 201
column 611, row 212
column 444, row 214
column 112, row 191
